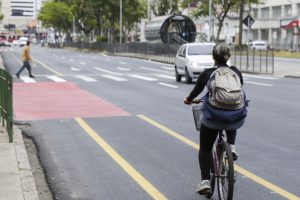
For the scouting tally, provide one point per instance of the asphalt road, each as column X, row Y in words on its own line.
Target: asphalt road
column 116, row 128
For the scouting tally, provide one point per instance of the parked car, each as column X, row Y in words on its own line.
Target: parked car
column 192, row 59
column 16, row 42
column 7, row 43
column 23, row 41
column 259, row 44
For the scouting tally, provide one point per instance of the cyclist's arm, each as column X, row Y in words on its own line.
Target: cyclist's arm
column 200, row 84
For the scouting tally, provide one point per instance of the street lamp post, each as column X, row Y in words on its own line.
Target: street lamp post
column 121, row 9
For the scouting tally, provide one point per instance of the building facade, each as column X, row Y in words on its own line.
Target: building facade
column 276, row 21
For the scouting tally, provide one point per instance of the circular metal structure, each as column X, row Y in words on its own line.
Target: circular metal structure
column 171, row 29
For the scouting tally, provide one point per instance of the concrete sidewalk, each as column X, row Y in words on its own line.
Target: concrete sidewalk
column 17, row 181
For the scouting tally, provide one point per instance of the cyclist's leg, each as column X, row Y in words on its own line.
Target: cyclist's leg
column 207, row 139
column 231, row 135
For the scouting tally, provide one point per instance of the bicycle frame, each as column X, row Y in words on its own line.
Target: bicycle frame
column 216, row 154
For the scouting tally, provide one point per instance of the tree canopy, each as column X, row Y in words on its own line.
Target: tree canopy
column 99, row 16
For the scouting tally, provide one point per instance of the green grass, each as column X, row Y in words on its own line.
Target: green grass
column 286, row 54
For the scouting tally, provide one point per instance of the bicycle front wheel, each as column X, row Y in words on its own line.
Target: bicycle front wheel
column 226, row 174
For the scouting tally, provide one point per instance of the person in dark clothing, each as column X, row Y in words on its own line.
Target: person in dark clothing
column 221, row 54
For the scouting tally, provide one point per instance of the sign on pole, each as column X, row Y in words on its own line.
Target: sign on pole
column 248, row 21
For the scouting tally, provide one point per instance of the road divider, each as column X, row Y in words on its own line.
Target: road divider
column 127, row 167
column 239, row 169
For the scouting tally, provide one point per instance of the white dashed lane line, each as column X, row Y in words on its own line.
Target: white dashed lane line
column 123, row 69
column 115, row 78
column 257, row 83
column 168, row 85
column 103, row 70
column 165, row 76
column 86, row 78
column 143, row 78
column 56, row 79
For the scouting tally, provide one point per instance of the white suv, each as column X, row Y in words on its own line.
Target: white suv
column 192, row 59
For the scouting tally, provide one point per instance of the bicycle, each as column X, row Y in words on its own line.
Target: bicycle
column 222, row 170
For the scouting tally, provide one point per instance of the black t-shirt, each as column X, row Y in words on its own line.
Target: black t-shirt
column 203, row 79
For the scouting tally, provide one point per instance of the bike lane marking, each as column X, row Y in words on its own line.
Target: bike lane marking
column 127, row 167
column 239, row 169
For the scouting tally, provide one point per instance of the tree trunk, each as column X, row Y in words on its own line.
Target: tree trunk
column 241, row 22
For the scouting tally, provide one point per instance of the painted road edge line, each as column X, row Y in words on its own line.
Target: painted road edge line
column 239, row 169
column 133, row 173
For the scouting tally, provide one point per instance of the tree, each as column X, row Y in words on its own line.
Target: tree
column 57, row 15
column 1, row 15
column 220, row 10
column 164, row 7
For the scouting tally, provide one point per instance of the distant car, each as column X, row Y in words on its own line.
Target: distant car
column 16, row 42
column 23, row 41
column 192, row 59
column 259, row 44
column 7, row 43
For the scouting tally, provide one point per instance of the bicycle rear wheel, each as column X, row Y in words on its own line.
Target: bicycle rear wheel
column 225, row 181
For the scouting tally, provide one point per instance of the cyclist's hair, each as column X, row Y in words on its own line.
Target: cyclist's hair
column 221, row 53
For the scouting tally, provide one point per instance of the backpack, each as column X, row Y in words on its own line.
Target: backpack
column 225, row 89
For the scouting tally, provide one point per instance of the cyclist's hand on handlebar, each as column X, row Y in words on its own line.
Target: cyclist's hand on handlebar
column 187, row 101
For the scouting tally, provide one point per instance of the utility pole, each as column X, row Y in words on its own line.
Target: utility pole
column 121, row 9
column 210, row 24
column 241, row 22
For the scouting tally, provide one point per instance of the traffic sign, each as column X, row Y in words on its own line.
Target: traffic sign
column 248, row 21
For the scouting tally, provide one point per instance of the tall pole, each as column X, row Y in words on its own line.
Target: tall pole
column 121, row 9
column 241, row 22
column 210, row 24
column 148, row 10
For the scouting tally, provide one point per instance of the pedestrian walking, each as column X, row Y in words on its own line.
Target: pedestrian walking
column 26, row 61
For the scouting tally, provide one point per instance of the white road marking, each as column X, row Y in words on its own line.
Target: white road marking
column 75, row 69
column 70, row 59
column 260, row 77
column 86, row 78
column 27, row 79
column 114, row 78
column 110, row 72
column 143, row 78
column 168, row 85
column 123, row 63
column 56, row 79
column 165, row 76
column 151, row 69
column 257, row 83
column 168, row 68
column 123, row 69
column 82, row 63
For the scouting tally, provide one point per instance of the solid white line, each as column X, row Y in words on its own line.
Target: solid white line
column 168, row 85
column 114, row 78
column 151, row 69
column 75, row 69
column 165, row 76
column 86, row 78
column 110, row 72
column 143, row 78
column 82, row 63
column 256, row 83
column 27, row 79
column 260, row 77
column 56, row 79
column 123, row 69
column 123, row 63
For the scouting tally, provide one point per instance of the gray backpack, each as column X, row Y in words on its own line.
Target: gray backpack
column 225, row 90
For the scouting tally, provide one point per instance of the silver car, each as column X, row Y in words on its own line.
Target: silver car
column 192, row 59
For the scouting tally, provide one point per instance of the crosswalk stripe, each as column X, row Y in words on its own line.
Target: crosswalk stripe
column 103, row 70
column 114, row 78
column 86, row 78
column 27, row 79
column 56, row 79
column 143, row 78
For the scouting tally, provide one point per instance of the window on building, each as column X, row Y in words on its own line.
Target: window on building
column 265, row 13
column 255, row 12
column 288, row 10
column 276, row 12
column 298, row 9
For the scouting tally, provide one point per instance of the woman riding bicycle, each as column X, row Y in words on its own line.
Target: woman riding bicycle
column 221, row 54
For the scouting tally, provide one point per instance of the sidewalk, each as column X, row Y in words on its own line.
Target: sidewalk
column 17, row 181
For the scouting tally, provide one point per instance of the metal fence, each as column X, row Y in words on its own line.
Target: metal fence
column 254, row 61
column 6, row 102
